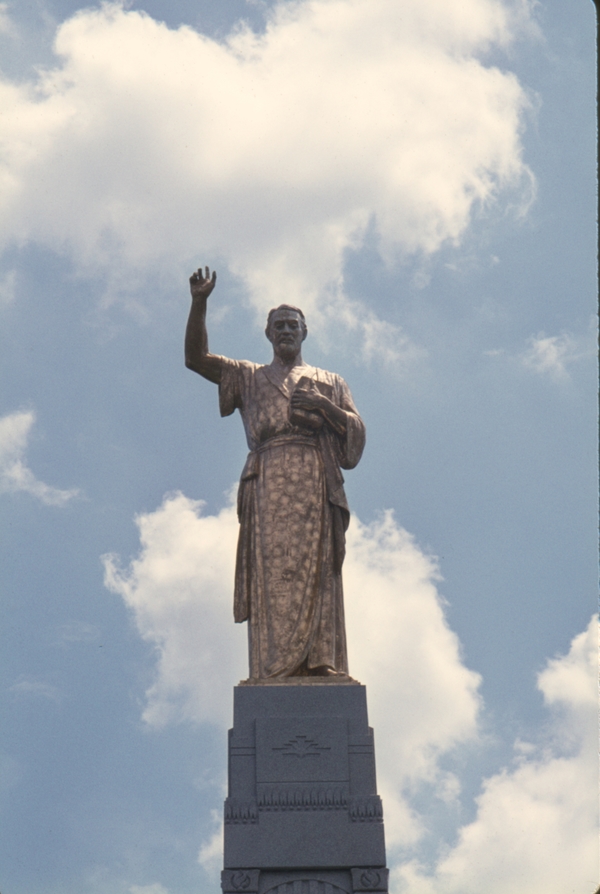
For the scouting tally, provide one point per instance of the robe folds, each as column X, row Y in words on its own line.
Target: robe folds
column 293, row 516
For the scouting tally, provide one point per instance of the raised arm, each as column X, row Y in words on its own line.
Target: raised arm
column 197, row 356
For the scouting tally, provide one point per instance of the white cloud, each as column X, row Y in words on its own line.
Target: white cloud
column 210, row 855
column 147, row 147
column 570, row 680
column 552, row 354
column 536, row 828
column 180, row 592
column 157, row 888
column 15, row 475
column 423, row 701
column 6, row 24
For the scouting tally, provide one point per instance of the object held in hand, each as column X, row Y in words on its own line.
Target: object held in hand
column 308, row 418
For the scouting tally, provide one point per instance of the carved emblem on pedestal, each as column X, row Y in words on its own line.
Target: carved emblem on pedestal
column 370, row 879
column 302, row 746
column 239, row 881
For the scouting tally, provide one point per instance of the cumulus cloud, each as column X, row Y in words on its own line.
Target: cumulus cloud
column 146, row 147
column 15, row 475
column 423, row 701
column 537, row 822
column 535, row 828
column 179, row 589
column 6, row 24
column 210, row 856
column 552, row 354
column 569, row 680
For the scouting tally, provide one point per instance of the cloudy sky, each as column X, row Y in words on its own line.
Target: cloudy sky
column 418, row 175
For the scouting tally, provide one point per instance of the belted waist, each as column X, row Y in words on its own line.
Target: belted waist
column 286, row 438
column 251, row 467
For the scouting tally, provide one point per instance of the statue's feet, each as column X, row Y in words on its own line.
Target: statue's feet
column 325, row 670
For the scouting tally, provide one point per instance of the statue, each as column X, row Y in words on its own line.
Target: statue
column 302, row 428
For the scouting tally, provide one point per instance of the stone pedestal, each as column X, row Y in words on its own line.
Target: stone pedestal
column 302, row 814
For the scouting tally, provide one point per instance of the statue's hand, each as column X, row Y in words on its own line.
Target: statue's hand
column 201, row 285
column 312, row 401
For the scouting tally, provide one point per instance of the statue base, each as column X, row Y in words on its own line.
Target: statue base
column 302, row 814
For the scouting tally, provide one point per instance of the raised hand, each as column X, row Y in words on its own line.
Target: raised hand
column 202, row 284
column 197, row 355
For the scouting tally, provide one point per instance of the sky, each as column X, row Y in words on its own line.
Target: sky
column 420, row 177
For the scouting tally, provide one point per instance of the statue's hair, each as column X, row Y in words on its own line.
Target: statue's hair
column 285, row 307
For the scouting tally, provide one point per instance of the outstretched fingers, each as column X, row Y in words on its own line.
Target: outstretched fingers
column 200, row 278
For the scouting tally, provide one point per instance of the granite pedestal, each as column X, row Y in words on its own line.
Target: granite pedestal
column 302, row 814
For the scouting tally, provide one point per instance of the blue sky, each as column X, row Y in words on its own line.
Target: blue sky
column 420, row 178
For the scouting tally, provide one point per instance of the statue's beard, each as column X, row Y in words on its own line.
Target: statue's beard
column 287, row 350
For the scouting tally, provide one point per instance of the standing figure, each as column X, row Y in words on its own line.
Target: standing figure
column 302, row 428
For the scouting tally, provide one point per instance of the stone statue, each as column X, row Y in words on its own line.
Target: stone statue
column 302, row 428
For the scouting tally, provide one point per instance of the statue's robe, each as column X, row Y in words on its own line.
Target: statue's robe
column 293, row 516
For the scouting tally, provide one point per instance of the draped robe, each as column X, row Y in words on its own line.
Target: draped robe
column 293, row 516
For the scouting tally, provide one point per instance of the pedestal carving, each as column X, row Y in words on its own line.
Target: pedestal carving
column 302, row 815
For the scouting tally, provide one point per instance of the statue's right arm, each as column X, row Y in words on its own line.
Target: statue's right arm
column 197, row 356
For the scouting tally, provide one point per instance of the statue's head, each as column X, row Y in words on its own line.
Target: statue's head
column 286, row 330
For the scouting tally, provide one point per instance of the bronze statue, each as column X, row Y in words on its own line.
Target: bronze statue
column 302, row 427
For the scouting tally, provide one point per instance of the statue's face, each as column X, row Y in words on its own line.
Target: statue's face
column 286, row 333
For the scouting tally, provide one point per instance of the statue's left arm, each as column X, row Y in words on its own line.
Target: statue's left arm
column 314, row 402
column 341, row 416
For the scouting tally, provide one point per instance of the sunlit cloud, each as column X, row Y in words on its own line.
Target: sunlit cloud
column 536, row 828
column 6, row 24
column 15, row 474
column 552, row 354
column 148, row 148
column 535, row 825
column 210, row 856
column 423, row 701
column 554, row 357
column 179, row 589
column 569, row 680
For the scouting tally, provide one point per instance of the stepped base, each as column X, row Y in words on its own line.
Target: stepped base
column 303, row 815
